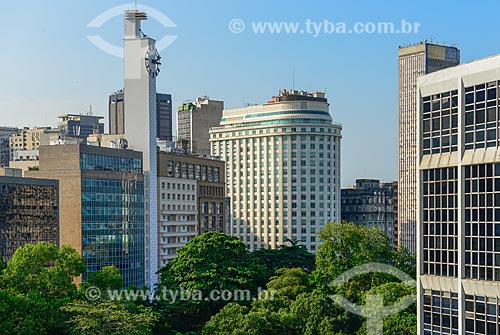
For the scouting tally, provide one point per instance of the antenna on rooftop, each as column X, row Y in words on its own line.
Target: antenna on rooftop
column 293, row 78
column 135, row 4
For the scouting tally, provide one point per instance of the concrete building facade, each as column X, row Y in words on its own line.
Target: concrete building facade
column 413, row 61
column 373, row 204
column 29, row 212
column 5, row 133
column 282, row 169
column 141, row 67
column 191, row 201
column 194, row 119
column 101, row 205
column 459, row 199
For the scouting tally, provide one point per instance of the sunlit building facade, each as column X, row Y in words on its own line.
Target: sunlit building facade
column 459, row 200
column 282, row 169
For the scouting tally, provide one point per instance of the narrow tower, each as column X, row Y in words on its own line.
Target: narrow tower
column 141, row 65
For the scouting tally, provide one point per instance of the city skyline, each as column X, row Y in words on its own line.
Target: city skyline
column 229, row 71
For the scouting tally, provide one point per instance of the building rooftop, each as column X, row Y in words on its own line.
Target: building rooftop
column 76, row 117
column 295, row 95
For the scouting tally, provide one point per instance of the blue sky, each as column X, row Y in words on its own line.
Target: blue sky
column 48, row 67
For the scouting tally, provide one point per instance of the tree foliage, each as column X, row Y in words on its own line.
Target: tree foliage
column 106, row 317
column 212, row 261
column 293, row 256
column 37, row 281
column 43, row 268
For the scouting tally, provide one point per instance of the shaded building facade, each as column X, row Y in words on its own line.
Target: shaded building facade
column 373, row 204
column 29, row 213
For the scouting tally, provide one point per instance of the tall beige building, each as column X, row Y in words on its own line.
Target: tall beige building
column 413, row 61
column 194, row 120
column 283, row 169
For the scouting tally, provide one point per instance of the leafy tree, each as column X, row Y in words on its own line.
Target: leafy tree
column 346, row 246
column 37, row 281
column 289, row 283
column 240, row 320
column 404, row 322
column 43, row 268
column 106, row 317
column 293, row 256
column 406, row 261
column 315, row 313
column 212, row 261
column 109, row 278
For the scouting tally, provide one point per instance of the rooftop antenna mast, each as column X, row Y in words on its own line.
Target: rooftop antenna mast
column 135, row 4
column 293, row 78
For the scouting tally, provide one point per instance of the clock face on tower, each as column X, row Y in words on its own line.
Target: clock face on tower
column 152, row 62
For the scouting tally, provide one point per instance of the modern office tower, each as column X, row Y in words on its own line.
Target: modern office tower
column 413, row 61
column 141, row 67
column 194, row 119
column 5, row 133
column 459, row 199
column 29, row 212
column 373, row 204
column 191, row 201
column 283, row 168
column 116, row 109
column 80, row 126
column 101, row 208
column 163, row 115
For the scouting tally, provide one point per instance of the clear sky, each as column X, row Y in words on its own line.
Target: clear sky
column 49, row 67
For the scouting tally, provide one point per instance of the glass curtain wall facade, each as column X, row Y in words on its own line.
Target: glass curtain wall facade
column 29, row 213
column 113, row 217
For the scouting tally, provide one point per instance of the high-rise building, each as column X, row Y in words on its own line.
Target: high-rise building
column 194, row 119
column 413, row 61
column 29, row 212
column 163, row 115
column 116, row 110
column 5, row 133
column 283, row 168
column 141, row 67
column 373, row 204
column 101, row 208
column 459, row 199
column 80, row 126
column 191, row 200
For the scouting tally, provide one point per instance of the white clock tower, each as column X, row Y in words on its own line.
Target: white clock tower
column 141, row 62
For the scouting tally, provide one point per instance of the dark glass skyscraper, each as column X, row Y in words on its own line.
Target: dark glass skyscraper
column 29, row 213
